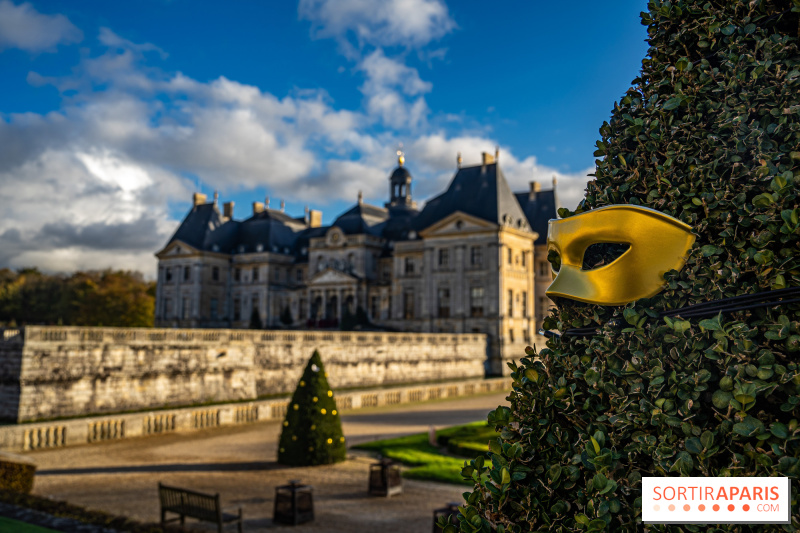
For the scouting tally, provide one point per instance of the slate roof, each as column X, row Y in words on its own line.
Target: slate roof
column 274, row 230
column 204, row 227
column 481, row 191
column 400, row 223
column 539, row 210
column 362, row 219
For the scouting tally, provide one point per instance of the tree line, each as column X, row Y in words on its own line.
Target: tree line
column 93, row 298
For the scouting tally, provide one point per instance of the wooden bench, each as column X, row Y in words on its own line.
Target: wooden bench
column 197, row 505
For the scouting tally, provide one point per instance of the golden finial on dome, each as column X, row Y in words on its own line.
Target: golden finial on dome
column 401, row 157
column 458, row 159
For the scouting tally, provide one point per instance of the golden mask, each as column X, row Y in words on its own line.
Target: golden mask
column 658, row 243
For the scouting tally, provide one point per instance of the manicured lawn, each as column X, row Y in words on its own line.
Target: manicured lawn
column 8, row 525
column 436, row 463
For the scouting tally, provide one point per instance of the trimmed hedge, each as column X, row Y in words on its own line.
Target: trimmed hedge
column 312, row 431
column 16, row 473
column 710, row 134
column 67, row 510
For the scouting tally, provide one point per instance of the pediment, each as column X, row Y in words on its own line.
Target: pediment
column 457, row 223
column 330, row 276
column 176, row 248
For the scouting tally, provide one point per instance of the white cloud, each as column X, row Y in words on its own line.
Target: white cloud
column 392, row 89
column 408, row 23
column 384, row 72
column 67, row 210
column 437, row 153
column 388, row 85
column 112, row 40
column 90, row 186
column 21, row 26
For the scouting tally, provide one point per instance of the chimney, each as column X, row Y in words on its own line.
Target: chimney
column 258, row 207
column 535, row 187
column 216, row 197
column 283, row 206
column 555, row 180
column 306, row 215
column 360, row 197
column 198, row 198
column 496, row 154
column 266, row 202
column 228, row 209
column 315, row 218
column 487, row 160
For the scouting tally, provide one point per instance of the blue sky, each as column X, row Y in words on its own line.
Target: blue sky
column 113, row 113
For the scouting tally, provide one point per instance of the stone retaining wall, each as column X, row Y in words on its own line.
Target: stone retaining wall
column 53, row 372
column 57, row 434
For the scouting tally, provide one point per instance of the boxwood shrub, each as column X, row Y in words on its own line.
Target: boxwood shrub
column 16, row 473
column 708, row 133
column 312, row 431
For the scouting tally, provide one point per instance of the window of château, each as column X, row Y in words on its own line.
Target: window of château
column 374, row 309
column 476, row 256
column 187, row 273
column 167, row 308
column 213, row 311
column 237, row 274
column 237, row 309
column 214, row 273
column 255, row 273
column 525, row 304
column 476, row 302
column 511, row 335
column 408, row 304
column 444, row 257
column 510, row 303
column 543, row 268
column 444, row 302
column 510, row 255
column 168, row 274
column 409, row 266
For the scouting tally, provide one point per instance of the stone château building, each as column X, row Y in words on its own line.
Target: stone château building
column 473, row 260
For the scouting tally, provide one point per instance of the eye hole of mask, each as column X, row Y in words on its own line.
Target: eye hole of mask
column 602, row 253
column 554, row 259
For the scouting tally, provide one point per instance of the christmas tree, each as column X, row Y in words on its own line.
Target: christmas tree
column 312, row 431
column 709, row 134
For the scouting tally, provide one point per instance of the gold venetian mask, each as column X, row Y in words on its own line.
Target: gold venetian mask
column 658, row 243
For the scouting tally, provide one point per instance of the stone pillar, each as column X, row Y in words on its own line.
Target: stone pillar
column 159, row 296
column 196, row 291
column 429, row 310
column 459, row 288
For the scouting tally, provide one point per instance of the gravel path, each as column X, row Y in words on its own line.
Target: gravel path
column 121, row 477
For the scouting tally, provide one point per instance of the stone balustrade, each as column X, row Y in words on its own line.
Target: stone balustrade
column 96, row 429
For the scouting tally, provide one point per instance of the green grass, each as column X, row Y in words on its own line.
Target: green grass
column 436, row 463
column 8, row 525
